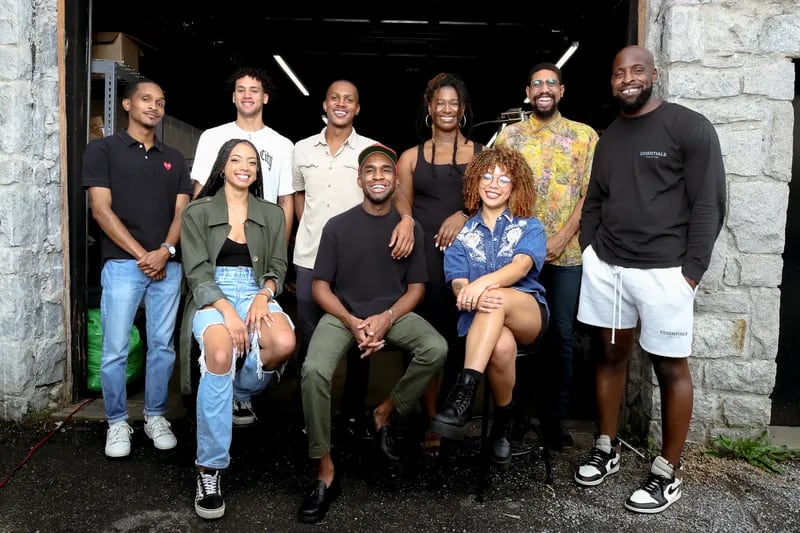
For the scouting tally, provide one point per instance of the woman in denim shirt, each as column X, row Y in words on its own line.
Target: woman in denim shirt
column 492, row 268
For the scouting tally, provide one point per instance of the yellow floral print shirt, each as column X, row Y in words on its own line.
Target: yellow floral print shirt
column 560, row 154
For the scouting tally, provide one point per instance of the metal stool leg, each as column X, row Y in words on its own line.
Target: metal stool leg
column 485, row 470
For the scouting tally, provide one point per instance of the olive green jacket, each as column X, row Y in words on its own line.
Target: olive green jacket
column 204, row 228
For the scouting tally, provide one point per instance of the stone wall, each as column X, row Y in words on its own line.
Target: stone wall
column 33, row 348
column 732, row 61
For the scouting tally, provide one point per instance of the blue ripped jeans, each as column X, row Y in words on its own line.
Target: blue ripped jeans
column 215, row 392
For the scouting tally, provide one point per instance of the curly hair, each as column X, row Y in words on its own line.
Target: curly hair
column 523, row 193
column 258, row 74
column 216, row 180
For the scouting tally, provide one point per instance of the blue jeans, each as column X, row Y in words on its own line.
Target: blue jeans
column 215, row 392
column 124, row 287
column 563, row 284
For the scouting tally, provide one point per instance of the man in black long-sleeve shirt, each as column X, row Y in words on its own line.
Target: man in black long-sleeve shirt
column 653, row 210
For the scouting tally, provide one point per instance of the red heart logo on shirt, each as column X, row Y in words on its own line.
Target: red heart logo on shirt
column 167, row 165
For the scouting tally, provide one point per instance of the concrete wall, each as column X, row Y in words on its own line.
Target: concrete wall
column 33, row 348
column 732, row 61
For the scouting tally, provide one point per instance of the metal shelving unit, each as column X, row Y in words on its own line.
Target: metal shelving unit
column 113, row 74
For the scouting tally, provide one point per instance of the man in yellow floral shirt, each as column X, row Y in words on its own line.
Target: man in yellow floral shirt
column 560, row 153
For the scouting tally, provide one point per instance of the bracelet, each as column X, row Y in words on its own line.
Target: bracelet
column 391, row 317
column 414, row 222
column 270, row 296
column 465, row 213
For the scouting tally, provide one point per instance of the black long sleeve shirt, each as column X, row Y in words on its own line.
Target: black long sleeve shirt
column 657, row 192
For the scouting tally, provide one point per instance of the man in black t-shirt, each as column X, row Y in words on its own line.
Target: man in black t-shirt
column 368, row 298
column 138, row 188
column 653, row 211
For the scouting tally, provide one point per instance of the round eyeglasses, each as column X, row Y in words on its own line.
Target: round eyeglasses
column 551, row 82
column 502, row 181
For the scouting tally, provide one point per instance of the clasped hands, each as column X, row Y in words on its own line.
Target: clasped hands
column 477, row 297
column 370, row 332
column 153, row 263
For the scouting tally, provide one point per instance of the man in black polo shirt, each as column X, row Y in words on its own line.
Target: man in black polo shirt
column 150, row 185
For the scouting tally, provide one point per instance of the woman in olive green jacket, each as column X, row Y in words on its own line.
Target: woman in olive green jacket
column 234, row 259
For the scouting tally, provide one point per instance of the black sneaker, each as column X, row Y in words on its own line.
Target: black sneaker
column 243, row 414
column 208, row 502
column 661, row 489
column 599, row 463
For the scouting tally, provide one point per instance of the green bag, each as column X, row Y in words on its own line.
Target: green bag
column 94, row 351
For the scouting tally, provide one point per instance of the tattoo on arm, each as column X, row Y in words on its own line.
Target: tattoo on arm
column 457, row 286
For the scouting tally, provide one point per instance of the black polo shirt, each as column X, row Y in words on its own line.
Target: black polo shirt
column 144, row 187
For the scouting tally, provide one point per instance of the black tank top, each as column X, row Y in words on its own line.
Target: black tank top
column 439, row 192
column 234, row 254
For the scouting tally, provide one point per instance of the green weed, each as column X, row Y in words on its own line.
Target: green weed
column 757, row 451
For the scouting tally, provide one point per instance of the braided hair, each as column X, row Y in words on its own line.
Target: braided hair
column 216, row 180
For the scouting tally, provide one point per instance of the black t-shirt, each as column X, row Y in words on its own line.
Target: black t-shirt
column 144, row 187
column 656, row 195
column 355, row 258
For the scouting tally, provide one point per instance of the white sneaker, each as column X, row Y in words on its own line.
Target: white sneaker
column 602, row 461
column 118, row 440
column 660, row 489
column 157, row 428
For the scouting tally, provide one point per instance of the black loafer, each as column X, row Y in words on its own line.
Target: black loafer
column 386, row 443
column 315, row 504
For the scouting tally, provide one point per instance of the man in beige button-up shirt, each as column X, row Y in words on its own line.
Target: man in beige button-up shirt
column 324, row 177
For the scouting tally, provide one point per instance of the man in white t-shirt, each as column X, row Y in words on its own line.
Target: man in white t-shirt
column 251, row 88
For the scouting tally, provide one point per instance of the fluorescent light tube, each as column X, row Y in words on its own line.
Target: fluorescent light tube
column 567, row 54
column 289, row 72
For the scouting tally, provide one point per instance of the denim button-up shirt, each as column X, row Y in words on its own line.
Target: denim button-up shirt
column 478, row 251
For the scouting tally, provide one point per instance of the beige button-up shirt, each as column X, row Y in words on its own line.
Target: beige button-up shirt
column 330, row 185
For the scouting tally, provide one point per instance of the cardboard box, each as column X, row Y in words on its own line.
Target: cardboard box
column 117, row 46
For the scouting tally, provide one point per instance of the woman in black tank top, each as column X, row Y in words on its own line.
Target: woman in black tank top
column 431, row 175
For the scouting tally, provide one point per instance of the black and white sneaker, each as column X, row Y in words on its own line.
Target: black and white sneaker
column 243, row 414
column 661, row 489
column 208, row 502
column 603, row 459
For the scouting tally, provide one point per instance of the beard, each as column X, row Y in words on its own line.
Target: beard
column 630, row 107
column 545, row 113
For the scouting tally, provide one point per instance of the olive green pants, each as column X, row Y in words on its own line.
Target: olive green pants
column 332, row 340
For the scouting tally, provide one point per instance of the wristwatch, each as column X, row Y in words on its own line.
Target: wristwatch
column 170, row 248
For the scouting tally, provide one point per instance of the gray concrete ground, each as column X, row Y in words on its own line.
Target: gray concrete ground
column 67, row 484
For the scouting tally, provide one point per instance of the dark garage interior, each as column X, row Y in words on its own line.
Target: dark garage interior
column 190, row 48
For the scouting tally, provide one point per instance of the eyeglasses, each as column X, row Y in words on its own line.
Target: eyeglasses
column 502, row 181
column 551, row 82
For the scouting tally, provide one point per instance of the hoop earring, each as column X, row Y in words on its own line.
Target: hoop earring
column 222, row 175
column 462, row 121
column 428, row 119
